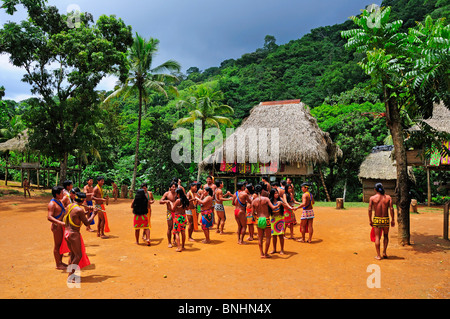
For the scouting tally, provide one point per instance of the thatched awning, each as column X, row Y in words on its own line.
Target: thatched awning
column 300, row 138
column 440, row 120
column 17, row 144
column 380, row 165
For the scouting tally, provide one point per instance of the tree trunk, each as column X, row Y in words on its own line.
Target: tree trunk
column 138, row 136
column 402, row 190
column 63, row 169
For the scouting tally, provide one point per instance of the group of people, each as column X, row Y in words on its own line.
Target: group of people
column 268, row 206
column 70, row 209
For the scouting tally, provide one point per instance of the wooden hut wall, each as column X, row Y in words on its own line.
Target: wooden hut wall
column 369, row 185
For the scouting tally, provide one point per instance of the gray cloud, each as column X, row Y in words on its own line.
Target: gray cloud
column 204, row 33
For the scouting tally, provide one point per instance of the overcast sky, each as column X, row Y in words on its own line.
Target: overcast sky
column 200, row 33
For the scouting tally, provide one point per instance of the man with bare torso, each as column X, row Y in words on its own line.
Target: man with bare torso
column 261, row 207
column 168, row 198
column 55, row 214
column 73, row 220
column 89, row 191
column 100, row 200
column 26, row 188
column 381, row 204
column 67, row 185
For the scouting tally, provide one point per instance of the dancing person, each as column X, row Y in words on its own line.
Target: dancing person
column 151, row 200
column 240, row 200
column 207, row 212
column 88, row 189
column 179, row 207
column 100, row 200
column 191, row 212
column 55, row 214
column 75, row 217
column 289, row 215
column 277, row 219
column 251, row 216
column 169, row 197
column 139, row 205
column 261, row 208
column 218, row 206
column 307, row 217
column 66, row 200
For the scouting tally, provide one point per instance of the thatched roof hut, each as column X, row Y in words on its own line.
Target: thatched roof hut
column 18, row 143
column 440, row 120
column 379, row 167
column 301, row 142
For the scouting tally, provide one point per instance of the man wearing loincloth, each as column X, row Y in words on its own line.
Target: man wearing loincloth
column 192, row 210
column 88, row 189
column 55, row 214
column 26, row 188
column 381, row 204
column 73, row 220
column 261, row 207
column 170, row 197
column 67, row 185
column 100, row 201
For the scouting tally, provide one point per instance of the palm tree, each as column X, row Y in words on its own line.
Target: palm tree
column 143, row 79
column 205, row 105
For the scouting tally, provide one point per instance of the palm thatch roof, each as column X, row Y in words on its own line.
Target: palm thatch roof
column 380, row 165
column 440, row 120
column 18, row 143
column 300, row 138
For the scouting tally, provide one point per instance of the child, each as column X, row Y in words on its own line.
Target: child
column 26, row 188
column 140, row 218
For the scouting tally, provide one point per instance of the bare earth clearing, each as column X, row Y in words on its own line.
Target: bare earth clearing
column 333, row 266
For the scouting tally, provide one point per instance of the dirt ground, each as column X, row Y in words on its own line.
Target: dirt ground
column 337, row 264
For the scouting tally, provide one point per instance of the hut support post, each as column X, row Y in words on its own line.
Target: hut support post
column 6, row 175
column 428, row 187
column 446, row 213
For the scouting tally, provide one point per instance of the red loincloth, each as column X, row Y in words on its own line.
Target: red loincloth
column 84, row 261
column 106, row 219
column 64, row 249
column 372, row 235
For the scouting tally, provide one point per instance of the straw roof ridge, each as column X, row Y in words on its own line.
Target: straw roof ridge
column 440, row 119
column 300, row 138
column 380, row 164
column 18, row 143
